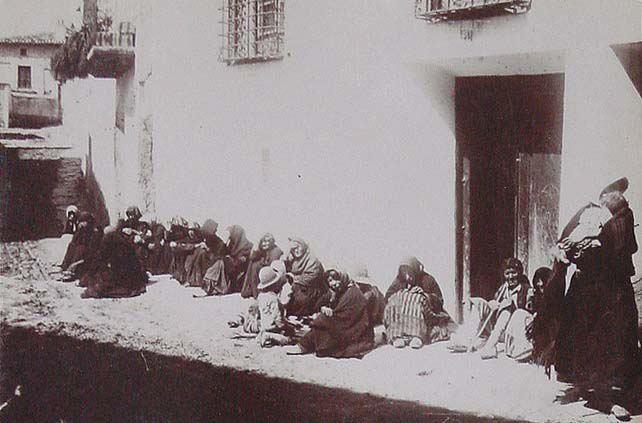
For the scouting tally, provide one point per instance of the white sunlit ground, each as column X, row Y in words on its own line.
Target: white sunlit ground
column 167, row 320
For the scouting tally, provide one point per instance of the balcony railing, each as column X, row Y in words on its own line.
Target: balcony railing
column 125, row 37
column 439, row 10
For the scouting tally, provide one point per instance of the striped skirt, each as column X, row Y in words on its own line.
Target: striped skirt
column 405, row 316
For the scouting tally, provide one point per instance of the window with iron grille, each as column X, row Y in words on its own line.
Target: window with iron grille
column 24, row 77
column 252, row 30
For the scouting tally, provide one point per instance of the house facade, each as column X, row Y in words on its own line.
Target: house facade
column 378, row 129
column 29, row 94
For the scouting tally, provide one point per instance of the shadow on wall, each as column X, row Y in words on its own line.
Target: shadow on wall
column 94, row 197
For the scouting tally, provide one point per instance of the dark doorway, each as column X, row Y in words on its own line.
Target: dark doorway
column 32, row 214
column 509, row 137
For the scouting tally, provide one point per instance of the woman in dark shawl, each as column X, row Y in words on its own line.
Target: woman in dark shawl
column 590, row 333
column 415, row 308
column 82, row 248
column 117, row 272
column 71, row 224
column 305, row 274
column 182, row 240
column 343, row 328
column 159, row 258
column 264, row 255
column 205, row 254
column 224, row 276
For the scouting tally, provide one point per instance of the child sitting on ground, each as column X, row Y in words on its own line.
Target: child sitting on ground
column 265, row 316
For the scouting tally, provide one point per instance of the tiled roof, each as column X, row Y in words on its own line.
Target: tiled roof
column 41, row 38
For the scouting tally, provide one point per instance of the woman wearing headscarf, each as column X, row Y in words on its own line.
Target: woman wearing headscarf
column 182, row 240
column 305, row 274
column 589, row 332
column 414, row 311
column 224, row 276
column 117, row 272
column 342, row 329
column 264, row 255
column 159, row 258
column 82, row 248
column 205, row 254
column 71, row 224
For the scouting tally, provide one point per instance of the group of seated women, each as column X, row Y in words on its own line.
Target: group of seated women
column 291, row 290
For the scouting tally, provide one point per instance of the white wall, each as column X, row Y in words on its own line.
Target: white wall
column 89, row 110
column 336, row 143
column 602, row 132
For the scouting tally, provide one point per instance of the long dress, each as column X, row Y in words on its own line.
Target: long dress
column 347, row 333
column 308, row 284
column 116, row 271
column 224, row 276
column 258, row 260
column 201, row 259
column 418, row 310
column 597, row 339
column 84, row 243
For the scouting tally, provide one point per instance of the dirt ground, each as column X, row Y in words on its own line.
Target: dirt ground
column 168, row 321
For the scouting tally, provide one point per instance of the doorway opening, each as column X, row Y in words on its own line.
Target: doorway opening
column 509, row 141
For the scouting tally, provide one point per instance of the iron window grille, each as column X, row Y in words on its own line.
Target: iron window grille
column 439, row 10
column 252, row 31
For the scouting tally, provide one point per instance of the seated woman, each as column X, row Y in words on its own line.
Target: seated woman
column 224, row 275
column 183, row 239
column 137, row 232
column 376, row 300
column 266, row 253
column 506, row 316
column 159, row 258
column 83, row 246
column 414, row 312
column 116, row 271
column 71, row 224
column 343, row 328
column 210, row 249
column 305, row 275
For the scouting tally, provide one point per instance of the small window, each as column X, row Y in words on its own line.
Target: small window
column 24, row 77
column 23, row 52
column 253, row 30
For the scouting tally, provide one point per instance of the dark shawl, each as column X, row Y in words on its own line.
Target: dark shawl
column 201, row 259
column 160, row 256
column 308, row 283
column 259, row 259
column 84, row 243
column 590, row 334
column 347, row 333
column 118, row 272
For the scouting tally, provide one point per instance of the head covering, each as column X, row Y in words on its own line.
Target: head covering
column 269, row 238
column 133, row 212
column 413, row 263
column 300, row 242
column 621, row 185
column 109, row 230
column 338, row 275
column 267, row 278
column 209, row 228
column 238, row 245
column 72, row 209
column 178, row 221
column 542, row 274
column 512, row 263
